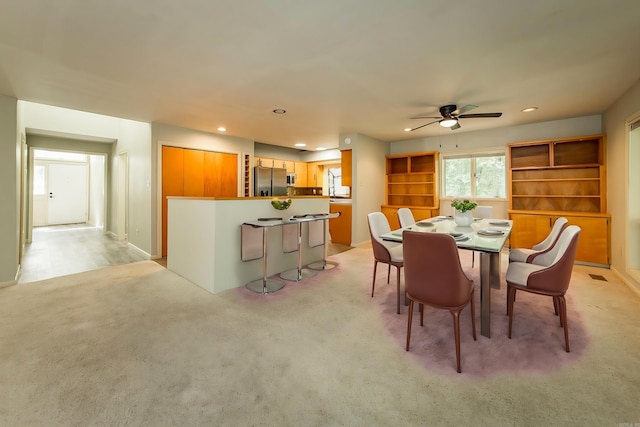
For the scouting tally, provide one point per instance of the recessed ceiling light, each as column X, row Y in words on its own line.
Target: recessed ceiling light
column 529, row 109
column 279, row 111
column 222, row 129
column 320, row 148
column 300, row 144
column 407, row 129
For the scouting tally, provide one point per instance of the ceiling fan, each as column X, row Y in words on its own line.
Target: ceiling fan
column 449, row 116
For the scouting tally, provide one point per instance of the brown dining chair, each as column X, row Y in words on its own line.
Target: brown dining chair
column 433, row 276
column 389, row 253
column 524, row 254
column 548, row 274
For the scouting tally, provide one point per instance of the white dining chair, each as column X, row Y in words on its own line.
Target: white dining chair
column 405, row 216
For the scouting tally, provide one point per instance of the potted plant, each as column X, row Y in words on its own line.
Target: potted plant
column 463, row 208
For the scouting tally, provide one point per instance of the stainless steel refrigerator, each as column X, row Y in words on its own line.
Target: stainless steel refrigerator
column 269, row 181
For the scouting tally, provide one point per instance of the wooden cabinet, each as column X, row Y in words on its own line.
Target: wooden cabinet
column 301, row 174
column 340, row 228
column 412, row 180
column 391, row 213
column 197, row 173
column 314, row 174
column 593, row 245
column 561, row 177
column 345, row 166
column 265, row 162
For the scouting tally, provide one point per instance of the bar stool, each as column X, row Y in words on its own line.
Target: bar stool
column 252, row 248
column 299, row 273
column 323, row 240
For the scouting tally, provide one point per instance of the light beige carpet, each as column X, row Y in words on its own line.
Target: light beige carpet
column 139, row 345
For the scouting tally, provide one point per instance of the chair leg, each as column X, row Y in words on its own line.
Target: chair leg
column 398, row 288
column 511, row 297
column 375, row 267
column 421, row 308
column 562, row 305
column 456, row 333
column 410, row 317
column 473, row 314
column 388, row 273
column 473, row 258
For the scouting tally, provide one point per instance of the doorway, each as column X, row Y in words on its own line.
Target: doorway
column 60, row 192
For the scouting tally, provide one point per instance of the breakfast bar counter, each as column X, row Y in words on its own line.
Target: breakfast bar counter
column 204, row 238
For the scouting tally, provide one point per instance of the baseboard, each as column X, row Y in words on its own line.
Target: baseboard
column 11, row 282
column 147, row 255
column 112, row 234
column 626, row 281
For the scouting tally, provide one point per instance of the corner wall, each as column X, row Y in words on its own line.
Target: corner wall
column 9, row 190
column 614, row 124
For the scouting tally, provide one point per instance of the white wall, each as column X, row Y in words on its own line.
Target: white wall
column 368, row 181
column 614, row 125
column 96, row 190
column 9, row 189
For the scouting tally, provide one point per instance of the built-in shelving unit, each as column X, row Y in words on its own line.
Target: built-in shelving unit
column 411, row 181
column 560, row 177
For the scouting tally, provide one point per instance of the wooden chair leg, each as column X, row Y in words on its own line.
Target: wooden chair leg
column 473, row 258
column 456, row 333
column 473, row 314
column 421, row 308
column 388, row 273
column 373, row 286
column 410, row 317
column 555, row 306
column 562, row 305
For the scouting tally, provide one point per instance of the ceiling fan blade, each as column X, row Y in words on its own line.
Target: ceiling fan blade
column 456, row 126
column 426, row 117
column 464, row 109
column 426, row 124
column 479, row 115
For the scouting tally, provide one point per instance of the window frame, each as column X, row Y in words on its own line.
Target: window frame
column 472, row 155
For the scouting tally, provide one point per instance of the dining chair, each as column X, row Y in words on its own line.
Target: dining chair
column 482, row 212
column 389, row 253
column 433, row 276
column 549, row 274
column 527, row 254
column 405, row 216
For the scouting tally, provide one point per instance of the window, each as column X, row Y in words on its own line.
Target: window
column 335, row 182
column 38, row 180
column 475, row 175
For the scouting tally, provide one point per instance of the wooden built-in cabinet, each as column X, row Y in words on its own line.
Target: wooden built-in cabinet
column 340, row 228
column 411, row 181
column 560, row 177
column 345, row 167
column 197, row 173
column 314, row 174
column 301, row 174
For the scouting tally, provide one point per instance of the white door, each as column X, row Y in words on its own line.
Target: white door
column 67, row 193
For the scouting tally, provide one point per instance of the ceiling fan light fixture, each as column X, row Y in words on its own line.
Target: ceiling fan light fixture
column 448, row 122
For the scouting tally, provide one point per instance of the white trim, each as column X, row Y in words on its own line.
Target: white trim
column 624, row 280
column 627, row 131
column 132, row 246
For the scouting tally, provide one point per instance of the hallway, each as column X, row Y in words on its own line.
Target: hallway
column 67, row 249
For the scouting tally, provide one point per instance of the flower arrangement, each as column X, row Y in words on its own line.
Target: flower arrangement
column 463, row 205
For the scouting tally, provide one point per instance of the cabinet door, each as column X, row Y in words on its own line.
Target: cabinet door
column 194, row 173
column 346, row 167
column 265, row 162
column 529, row 230
column 301, row 174
column 172, row 183
column 314, row 175
column 220, row 174
column 593, row 243
column 340, row 228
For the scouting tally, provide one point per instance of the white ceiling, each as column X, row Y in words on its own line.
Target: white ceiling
column 336, row 66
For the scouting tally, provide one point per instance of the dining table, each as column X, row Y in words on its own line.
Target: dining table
column 486, row 236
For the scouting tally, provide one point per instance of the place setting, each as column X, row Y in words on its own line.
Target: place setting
column 490, row 232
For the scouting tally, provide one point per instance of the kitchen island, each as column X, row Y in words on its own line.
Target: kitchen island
column 204, row 238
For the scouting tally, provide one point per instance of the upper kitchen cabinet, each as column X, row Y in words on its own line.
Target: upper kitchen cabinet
column 265, row 162
column 301, row 169
column 314, row 174
column 345, row 165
